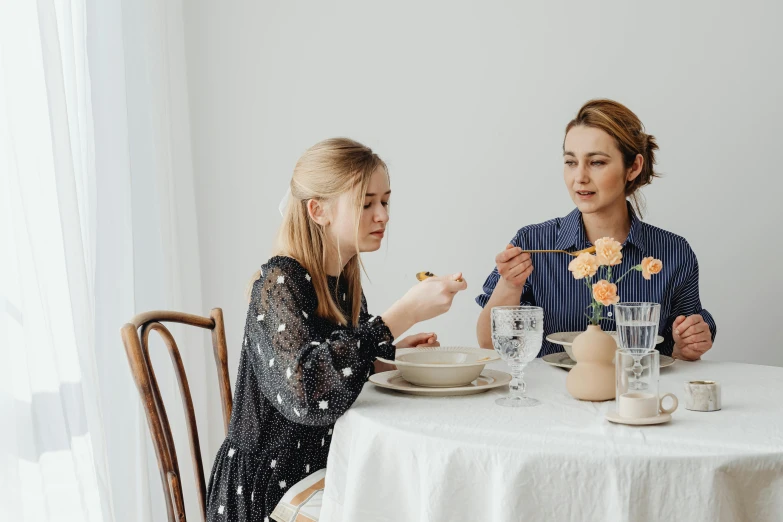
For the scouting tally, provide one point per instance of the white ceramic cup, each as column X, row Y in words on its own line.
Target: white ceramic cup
column 640, row 405
column 702, row 395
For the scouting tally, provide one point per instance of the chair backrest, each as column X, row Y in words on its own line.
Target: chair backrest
column 135, row 337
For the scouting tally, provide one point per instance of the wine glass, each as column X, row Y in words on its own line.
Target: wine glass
column 637, row 329
column 517, row 333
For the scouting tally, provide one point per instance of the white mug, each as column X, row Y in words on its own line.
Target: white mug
column 640, row 405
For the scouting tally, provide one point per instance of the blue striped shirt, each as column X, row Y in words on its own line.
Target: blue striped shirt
column 563, row 298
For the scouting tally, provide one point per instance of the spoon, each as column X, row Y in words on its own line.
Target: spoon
column 589, row 250
column 421, row 276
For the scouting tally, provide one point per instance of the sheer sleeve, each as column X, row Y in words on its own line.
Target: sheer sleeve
column 310, row 378
column 364, row 315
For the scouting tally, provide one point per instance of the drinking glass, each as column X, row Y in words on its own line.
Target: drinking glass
column 517, row 334
column 637, row 329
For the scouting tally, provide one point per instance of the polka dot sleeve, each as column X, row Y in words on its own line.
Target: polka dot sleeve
column 309, row 378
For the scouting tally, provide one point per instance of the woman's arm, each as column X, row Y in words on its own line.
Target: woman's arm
column 690, row 329
column 505, row 286
column 503, row 294
column 308, row 378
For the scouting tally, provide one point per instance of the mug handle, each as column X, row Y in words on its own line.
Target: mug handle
column 674, row 406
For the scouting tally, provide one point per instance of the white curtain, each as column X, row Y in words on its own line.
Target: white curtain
column 54, row 458
column 148, row 256
column 97, row 205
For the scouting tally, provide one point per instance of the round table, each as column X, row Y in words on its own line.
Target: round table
column 397, row 457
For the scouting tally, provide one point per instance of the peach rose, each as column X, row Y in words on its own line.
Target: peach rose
column 585, row 265
column 650, row 266
column 607, row 250
column 605, row 292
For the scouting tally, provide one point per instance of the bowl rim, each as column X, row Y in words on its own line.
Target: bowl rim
column 398, row 363
column 490, row 356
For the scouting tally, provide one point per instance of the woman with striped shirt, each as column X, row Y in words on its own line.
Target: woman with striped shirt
column 607, row 158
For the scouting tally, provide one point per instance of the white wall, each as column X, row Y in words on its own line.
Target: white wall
column 467, row 102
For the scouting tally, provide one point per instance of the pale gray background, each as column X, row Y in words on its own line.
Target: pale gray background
column 467, row 102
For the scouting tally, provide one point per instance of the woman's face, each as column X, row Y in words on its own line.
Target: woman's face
column 372, row 221
column 593, row 169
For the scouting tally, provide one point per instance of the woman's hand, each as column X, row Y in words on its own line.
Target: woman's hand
column 422, row 340
column 433, row 296
column 430, row 298
column 514, row 266
column 692, row 337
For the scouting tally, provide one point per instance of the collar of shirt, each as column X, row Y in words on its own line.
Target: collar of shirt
column 572, row 232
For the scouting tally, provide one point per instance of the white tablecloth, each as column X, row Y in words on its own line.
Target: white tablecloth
column 397, row 457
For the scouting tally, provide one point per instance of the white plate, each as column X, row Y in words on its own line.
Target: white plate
column 567, row 338
column 562, row 360
column 613, row 416
column 488, row 380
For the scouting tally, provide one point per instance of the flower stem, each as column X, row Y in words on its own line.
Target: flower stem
column 625, row 274
column 594, row 304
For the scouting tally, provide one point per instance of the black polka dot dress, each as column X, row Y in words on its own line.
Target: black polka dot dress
column 298, row 373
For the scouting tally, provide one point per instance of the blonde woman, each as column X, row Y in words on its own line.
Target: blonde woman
column 309, row 343
column 607, row 158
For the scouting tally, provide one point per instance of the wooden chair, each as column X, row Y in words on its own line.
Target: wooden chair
column 135, row 337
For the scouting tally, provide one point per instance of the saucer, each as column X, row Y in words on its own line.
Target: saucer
column 559, row 359
column 567, row 338
column 613, row 416
column 488, row 380
column 562, row 360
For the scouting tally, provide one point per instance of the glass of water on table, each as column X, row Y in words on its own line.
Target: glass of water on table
column 517, row 333
column 637, row 329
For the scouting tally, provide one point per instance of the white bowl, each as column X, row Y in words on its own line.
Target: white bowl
column 441, row 358
column 443, row 367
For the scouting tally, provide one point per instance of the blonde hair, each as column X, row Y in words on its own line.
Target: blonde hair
column 626, row 128
column 324, row 172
